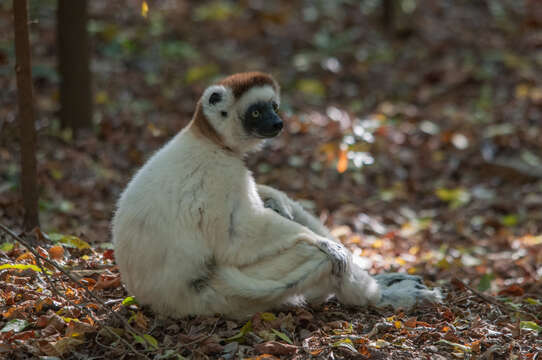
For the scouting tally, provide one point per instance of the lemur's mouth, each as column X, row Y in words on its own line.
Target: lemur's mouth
column 267, row 135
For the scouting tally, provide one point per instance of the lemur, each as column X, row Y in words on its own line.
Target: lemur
column 195, row 235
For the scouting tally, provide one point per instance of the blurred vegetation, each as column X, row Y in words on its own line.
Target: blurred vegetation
column 427, row 100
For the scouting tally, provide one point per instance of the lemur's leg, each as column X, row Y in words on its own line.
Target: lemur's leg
column 301, row 270
column 398, row 290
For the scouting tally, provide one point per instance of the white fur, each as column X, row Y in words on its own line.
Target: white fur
column 262, row 93
column 193, row 212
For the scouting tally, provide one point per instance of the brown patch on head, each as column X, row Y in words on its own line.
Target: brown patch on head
column 203, row 127
column 242, row 82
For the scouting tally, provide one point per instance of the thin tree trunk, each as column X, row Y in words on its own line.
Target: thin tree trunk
column 74, row 65
column 388, row 15
column 26, row 115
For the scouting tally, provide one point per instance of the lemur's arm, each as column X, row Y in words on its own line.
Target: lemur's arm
column 292, row 210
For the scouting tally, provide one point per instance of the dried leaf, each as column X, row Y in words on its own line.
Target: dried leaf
column 512, row 290
column 15, row 325
column 56, row 252
column 275, row 348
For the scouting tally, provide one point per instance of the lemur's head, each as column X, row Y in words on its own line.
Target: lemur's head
column 240, row 111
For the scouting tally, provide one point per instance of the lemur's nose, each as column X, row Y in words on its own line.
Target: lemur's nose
column 277, row 126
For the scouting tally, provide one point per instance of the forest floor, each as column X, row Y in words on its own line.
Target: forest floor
column 420, row 148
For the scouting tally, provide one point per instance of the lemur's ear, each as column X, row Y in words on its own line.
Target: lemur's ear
column 216, row 101
column 214, row 98
column 214, row 95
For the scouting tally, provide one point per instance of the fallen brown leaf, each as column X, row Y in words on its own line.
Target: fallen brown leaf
column 275, row 348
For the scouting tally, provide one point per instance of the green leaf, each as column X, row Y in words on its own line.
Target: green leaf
column 485, row 282
column 15, row 325
column 531, row 325
column 241, row 334
column 454, row 197
column 215, row 11
column 138, row 339
column 509, row 220
column 22, row 267
column 282, row 336
column 69, row 241
column 533, row 301
column 7, row 246
column 151, row 340
column 311, row 87
column 268, row 316
column 202, row 72
column 130, row 300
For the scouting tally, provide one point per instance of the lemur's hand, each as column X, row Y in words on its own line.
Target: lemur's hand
column 337, row 253
column 277, row 207
column 276, row 200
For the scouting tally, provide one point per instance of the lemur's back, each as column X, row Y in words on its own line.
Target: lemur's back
column 166, row 220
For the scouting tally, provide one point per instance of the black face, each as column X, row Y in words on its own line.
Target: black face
column 261, row 120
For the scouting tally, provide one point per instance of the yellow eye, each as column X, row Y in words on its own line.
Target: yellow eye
column 255, row 113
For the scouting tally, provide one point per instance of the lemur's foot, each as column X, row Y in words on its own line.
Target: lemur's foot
column 405, row 291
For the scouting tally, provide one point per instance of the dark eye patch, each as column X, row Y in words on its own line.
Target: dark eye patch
column 215, row 98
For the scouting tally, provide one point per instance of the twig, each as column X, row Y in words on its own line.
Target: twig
column 50, row 282
column 492, row 300
column 88, row 292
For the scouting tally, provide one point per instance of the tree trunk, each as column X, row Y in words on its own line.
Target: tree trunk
column 25, row 101
column 74, row 65
column 388, row 15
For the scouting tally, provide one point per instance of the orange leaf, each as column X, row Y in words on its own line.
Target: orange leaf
column 26, row 255
column 42, row 251
column 475, row 346
column 342, row 164
column 56, row 252
column 108, row 281
column 363, row 350
column 109, row 254
column 411, row 322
